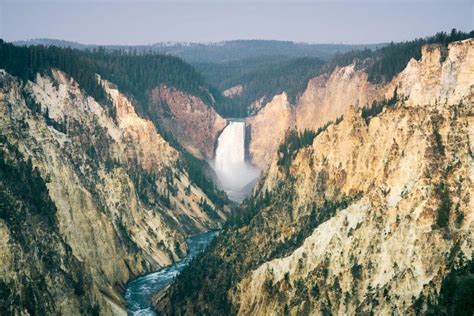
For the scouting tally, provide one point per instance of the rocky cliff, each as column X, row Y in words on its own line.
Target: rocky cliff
column 325, row 98
column 374, row 216
column 194, row 124
column 267, row 129
column 109, row 199
column 328, row 96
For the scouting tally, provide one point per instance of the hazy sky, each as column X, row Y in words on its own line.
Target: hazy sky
column 150, row 21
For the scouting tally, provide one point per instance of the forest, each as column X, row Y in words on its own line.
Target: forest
column 262, row 72
column 267, row 75
column 384, row 63
column 134, row 74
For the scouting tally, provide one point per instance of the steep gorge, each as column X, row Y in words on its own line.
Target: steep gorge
column 194, row 124
column 117, row 197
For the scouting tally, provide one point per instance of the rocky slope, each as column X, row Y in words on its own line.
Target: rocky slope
column 372, row 217
column 325, row 98
column 115, row 200
column 193, row 123
column 267, row 129
column 328, row 96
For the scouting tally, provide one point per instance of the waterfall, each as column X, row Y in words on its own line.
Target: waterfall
column 234, row 173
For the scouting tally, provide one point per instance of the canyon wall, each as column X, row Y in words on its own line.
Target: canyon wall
column 328, row 96
column 267, row 129
column 115, row 195
column 325, row 99
column 193, row 123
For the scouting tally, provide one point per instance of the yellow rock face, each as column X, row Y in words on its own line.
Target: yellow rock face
column 387, row 248
column 327, row 97
column 124, row 206
column 267, row 129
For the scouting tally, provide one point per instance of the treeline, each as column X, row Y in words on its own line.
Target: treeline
column 26, row 62
column 295, row 140
column 266, row 76
column 377, row 106
column 384, row 63
column 261, row 79
column 134, row 73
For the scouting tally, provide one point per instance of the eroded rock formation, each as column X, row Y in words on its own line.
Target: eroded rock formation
column 115, row 197
column 371, row 217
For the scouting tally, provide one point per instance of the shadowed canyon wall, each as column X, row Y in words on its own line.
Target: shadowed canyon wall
column 116, row 198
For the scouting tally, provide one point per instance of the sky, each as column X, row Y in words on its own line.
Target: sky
column 131, row 22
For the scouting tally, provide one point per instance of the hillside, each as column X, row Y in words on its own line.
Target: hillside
column 217, row 52
column 373, row 215
column 263, row 67
column 138, row 77
column 349, row 79
column 92, row 194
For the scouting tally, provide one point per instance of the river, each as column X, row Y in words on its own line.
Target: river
column 139, row 292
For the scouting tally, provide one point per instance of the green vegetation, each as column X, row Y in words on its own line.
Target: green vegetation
column 261, row 78
column 135, row 74
column 125, row 235
column 235, row 253
column 442, row 216
column 384, row 63
column 356, row 271
column 456, row 294
column 221, row 52
column 201, row 174
column 38, row 253
column 294, row 141
column 25, row 183
column 267, row 75
column 377, row 106
column 308, row 223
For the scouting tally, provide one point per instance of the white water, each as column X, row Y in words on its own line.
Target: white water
column 139, row 292
column 233, row 172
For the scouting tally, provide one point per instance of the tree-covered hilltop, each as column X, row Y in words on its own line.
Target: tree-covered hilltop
column 267, row 75
column 261, row 78
column 218, row 52
column 263, row 68
column 384, row 63
column 134, row 73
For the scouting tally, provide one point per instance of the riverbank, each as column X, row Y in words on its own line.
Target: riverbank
column 139, row 292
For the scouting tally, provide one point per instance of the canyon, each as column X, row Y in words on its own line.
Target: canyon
column 373, row 216
column 122, row 204
column 352, row 196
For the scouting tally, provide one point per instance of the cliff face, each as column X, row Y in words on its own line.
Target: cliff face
column 325, row 99
column 267, row 129
column 412, row 224
column 123, row 202
column 440, row 76
column 194, row 124
column 371, row 217
column 328, row 96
